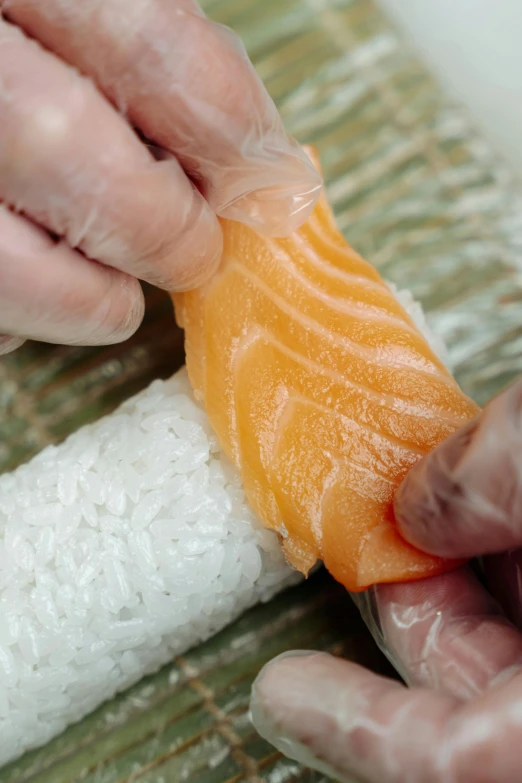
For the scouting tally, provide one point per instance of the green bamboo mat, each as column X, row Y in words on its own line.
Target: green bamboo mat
column 190, row 721
column 417, row 193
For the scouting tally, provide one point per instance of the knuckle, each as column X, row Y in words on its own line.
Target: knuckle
column 124, row 310
column 107, row 309
column 49, row 126
column 183, row 250
column 38, row 102
column 31, row 142
column 224, row 65
column 186, row 263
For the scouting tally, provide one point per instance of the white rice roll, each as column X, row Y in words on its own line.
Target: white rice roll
column 120, row 548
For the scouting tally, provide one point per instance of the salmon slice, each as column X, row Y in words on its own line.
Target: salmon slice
column 322, row 392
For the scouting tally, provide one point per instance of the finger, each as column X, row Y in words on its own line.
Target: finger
column 465, row 498
column 188, row 85
column 362, row 726
column 447, row 633
column 70, row 162
column 504, row 578
column 9, row 344
column 49, row 292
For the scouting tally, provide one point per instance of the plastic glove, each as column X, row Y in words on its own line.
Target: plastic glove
column 457, row 646
column 78, row 183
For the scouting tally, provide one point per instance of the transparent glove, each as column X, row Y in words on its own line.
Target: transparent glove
column 456, row 644
column 126, row 126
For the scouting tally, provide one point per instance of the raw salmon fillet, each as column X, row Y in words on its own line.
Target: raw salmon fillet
column 322, row 392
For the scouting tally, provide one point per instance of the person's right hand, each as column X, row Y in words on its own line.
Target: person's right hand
column 88, row 206
column 458, row 644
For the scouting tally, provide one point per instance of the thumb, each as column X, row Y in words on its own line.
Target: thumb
column 465, row 498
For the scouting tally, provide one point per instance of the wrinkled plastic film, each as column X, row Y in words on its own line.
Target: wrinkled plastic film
column 215, row 147
column 335, row 715
column 446, row 633
column 368, row 606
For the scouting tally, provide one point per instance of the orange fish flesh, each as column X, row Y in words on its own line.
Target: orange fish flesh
column 323, row 393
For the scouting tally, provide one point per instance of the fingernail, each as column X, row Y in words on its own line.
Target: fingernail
column 198, row 253
column 464, row 499
column 9, row 344
column 121, row 314
column 210, row 252
column 424, row 502
column 282, row 708
column 277, row 192
column 136, row 308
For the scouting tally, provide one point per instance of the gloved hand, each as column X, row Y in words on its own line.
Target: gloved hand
column 88, row 204
column 455, row 643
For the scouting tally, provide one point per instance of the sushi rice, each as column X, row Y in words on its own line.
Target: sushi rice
column 120, row 548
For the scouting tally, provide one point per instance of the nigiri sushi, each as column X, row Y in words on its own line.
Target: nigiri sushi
column 322, row 392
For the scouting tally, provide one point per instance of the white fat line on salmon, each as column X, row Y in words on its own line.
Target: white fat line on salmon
column 417, row 315
column 396, row 403
column 366, row 354
column 380, row 442
column 348, row 306
column 345, row 251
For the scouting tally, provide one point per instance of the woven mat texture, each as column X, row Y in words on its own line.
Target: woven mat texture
column 418, row 194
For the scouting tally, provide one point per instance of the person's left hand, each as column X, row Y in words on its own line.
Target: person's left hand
column 127, row 127
column 461, row 721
